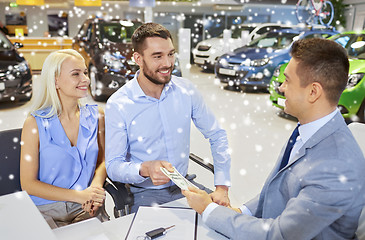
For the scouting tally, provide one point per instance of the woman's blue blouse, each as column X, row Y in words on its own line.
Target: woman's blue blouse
column 61, row 164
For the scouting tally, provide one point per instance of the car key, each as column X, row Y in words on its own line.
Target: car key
column 157, row 232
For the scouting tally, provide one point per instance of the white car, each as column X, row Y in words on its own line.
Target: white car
column 208, row 51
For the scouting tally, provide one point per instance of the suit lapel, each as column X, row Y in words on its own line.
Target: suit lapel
column 329, row 128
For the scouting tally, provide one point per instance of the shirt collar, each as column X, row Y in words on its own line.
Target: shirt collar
column 306, row 131
column 137, row 91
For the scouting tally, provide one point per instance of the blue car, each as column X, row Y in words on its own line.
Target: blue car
column 251, row 67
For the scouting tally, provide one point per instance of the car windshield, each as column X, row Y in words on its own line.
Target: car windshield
column 276, row 40
column 342, row 39
column 5, row 44
column 354, row 44
column 236, row 31
column 118, row 31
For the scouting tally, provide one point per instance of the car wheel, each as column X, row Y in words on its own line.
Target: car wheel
column 361, row 113
column 94, row 91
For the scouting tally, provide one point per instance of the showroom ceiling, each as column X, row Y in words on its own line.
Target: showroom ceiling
column 286, row 2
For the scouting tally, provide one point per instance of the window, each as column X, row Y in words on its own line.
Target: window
column 273, row 39
column 57, row 25
column 342, row 40
column 83, row 30
column 89, row 32
column 236, row 30
column 5, row 44
column 118, row 31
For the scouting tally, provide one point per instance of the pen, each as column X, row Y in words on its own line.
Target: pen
column 157, row 232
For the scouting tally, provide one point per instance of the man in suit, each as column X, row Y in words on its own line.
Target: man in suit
column 316, row 189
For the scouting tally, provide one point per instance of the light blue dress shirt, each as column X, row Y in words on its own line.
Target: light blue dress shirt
column 306, row 131
column 61, row 164
column 142, row 128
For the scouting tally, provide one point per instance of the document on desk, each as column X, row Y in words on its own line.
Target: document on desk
column 150, row 218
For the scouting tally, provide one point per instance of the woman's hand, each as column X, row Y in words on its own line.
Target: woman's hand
column 89, row 207
column 92, row 193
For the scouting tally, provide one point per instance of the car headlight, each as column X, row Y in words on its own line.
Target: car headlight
column 17, row 70
column 277, row 71
column 246, row 62
column 114, row 61
column 259, row 62
column 354, row 79
column 223, row 62
column 21, row 67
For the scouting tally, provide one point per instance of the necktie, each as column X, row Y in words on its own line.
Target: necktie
column 289, row 147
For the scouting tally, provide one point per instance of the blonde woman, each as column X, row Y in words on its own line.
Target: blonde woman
column 62, row 156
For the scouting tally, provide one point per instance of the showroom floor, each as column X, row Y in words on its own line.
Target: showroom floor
column 255, row 132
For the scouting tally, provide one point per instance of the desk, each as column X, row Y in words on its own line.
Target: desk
column 20, row 219
column 117, row 229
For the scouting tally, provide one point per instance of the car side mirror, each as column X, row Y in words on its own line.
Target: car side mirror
column 18, row 45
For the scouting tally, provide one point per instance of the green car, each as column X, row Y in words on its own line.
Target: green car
column 352, row 101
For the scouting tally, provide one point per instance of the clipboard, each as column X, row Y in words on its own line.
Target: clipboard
column 149, row 218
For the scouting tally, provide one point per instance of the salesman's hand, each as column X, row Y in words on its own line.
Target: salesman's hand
column 152, row 169
column 197, row 199
column 220, row 195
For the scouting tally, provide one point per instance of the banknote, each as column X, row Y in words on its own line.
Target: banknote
column 178, row 179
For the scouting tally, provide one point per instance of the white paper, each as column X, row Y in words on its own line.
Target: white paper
column 150, row 218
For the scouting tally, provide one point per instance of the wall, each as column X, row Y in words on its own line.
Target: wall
column 38, row 23
column 272, row 13
column 2, row 12
column 37, row 16
column 355, row 15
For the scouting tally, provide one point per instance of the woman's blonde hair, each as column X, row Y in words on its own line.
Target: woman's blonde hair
column 44, row 91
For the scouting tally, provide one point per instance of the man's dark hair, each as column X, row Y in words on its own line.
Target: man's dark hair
column 148, row 30
column 323, row 61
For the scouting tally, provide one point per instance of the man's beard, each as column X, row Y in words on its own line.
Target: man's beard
column 154, row 80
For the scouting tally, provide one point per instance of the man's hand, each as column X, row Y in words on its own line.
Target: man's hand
column 220, row 195
column 152, row 169
column 236, row 209
column 197, row 199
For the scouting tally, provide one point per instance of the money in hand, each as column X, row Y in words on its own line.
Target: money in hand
column 178, row 179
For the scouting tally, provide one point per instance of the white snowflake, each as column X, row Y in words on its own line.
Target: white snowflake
column 243, row 172
column 258, row 148
column 342, row 178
